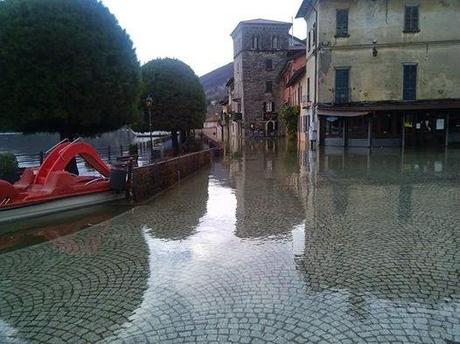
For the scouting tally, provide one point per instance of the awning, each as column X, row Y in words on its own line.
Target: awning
column 342, row 113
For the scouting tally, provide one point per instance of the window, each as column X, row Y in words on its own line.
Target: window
column 255, row 42
column 411, row 19
column 308, row 89
column 342, row 85
column 410, row 82
column 269, row 64
column 269, row 107
column 333, row 127
column 314, row 34
column 299, row 97
column 342, row 23
column 275, row 42
column 268, row 87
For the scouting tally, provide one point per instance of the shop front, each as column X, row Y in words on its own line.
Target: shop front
column 425, row 129
column 390, row 128
column 346, row 129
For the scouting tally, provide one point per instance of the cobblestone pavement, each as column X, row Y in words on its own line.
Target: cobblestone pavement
column 269, row 246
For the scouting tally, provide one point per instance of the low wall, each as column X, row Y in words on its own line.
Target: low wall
column 148, row 180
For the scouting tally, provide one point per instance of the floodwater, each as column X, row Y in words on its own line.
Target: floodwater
column 269, row 245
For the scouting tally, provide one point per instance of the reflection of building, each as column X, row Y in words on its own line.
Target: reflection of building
column 382, row 226
column 260, row 50
column 390, row 81
column 267, row 190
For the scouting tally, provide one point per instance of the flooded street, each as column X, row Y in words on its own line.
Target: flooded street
column 270, row 245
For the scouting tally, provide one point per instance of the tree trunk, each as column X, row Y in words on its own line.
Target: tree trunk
column 72, row 166
column 183, row 136
column 175, row 142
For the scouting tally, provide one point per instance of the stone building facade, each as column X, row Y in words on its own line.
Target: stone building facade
column 383, row 73
column 260, row 51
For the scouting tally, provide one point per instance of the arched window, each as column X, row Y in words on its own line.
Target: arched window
column 275, row 42
column 255, row 42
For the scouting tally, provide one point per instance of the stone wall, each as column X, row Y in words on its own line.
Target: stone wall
column 150, row 180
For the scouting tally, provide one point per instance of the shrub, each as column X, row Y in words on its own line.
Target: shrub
column 133, row 149
column 8, row 167
column 290, row 117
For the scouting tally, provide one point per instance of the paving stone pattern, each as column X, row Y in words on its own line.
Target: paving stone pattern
column 268, row 247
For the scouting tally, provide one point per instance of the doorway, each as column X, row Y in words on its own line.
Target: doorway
column 425, row 129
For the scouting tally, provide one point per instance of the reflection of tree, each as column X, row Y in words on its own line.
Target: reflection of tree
column 268, row 199
column 176, row 213
column 94, row 283
column 27, row 233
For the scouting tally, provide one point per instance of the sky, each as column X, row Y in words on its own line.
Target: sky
column 196, row 32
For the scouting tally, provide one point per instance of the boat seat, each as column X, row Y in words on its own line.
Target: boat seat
column 26, row 179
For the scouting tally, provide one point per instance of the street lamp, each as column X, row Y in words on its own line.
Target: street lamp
column 148, row 105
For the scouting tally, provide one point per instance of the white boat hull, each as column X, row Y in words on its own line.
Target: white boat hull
column 57, row 206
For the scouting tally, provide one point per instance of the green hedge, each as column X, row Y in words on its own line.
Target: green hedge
column 9, row 167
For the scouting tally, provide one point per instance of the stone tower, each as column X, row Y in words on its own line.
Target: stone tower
column 260, row 51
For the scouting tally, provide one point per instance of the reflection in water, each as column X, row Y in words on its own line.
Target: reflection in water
column 76, row 288
column 270, row 243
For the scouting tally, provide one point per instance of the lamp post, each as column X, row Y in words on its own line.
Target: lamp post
column 148, row 105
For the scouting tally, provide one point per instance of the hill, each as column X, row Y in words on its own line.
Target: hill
column 214, row 86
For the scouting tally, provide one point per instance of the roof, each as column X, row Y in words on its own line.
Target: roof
column 298, row 41
column 305, row 8
column 264, row 21
column 230, row 81
column 296, row 76
column 260, row 21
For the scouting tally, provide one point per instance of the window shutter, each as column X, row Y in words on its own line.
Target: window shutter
column 411, row 19
column 314, row 34
column 273, row 106
column 342, row 22
column 341, row 85
column 265, row 107
column 410, row 82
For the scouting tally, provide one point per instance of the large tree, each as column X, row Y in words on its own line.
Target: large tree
column 66, row 66
column 179, row 101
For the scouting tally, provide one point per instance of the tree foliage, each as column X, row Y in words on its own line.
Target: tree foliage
column 179, row 101
column 290, row 117
column 66, row 66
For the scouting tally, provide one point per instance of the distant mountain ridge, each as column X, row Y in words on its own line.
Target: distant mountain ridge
column 214, row 86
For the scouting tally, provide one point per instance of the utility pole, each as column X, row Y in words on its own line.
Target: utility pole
column 148, row 105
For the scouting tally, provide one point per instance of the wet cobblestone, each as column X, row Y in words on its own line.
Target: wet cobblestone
column 268, row 247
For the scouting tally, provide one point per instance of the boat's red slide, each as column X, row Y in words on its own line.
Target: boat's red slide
column 51, row 181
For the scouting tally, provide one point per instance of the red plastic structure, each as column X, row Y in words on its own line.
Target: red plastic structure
column 50, row 181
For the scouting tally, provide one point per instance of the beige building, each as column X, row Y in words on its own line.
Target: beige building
column 383, row 73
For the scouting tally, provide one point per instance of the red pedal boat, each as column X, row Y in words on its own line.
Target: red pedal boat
column 50, row 188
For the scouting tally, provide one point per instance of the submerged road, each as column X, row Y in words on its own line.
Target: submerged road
column 269, row 245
